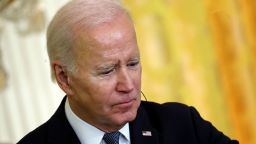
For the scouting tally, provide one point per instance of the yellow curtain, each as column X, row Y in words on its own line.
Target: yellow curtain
column 201, row 53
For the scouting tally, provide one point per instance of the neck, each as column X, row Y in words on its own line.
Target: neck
column 96, row 122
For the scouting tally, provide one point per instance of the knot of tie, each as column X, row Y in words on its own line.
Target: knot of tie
column 111, row 138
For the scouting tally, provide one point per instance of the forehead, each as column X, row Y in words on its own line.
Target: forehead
column 119, row 33
column 118, row 29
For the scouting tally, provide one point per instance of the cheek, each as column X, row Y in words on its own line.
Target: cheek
column 102, row 92
column 137, row 80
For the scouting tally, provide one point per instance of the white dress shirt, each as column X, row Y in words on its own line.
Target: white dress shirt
column 89, row 134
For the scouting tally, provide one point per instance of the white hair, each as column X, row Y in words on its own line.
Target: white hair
column 75, row 17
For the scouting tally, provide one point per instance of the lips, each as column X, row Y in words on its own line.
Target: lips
column 126, row 104
column 128, row 101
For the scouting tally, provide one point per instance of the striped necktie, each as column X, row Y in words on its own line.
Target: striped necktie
column 111, row 138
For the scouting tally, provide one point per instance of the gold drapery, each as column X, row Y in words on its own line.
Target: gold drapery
column 201, row 53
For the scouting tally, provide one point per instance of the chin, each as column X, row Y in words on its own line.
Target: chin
column 127, row 117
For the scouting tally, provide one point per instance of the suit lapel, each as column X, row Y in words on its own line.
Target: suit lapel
column 60, row 131
column 141, row 130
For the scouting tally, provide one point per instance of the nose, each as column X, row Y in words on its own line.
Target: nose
column 124, row 81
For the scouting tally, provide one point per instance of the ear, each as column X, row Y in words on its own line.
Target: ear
column 62, row 77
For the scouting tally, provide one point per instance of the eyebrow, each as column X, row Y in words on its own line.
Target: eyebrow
column 135, row 58
column 107, row 66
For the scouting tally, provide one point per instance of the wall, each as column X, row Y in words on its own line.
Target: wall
column 29, row 97
column 201, row 53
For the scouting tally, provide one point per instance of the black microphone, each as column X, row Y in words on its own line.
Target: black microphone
column 144, row 96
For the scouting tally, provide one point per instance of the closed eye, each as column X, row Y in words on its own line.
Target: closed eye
column 133, row 63
column 107, row 72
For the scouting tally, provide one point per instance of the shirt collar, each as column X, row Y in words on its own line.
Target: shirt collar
column 87, row 133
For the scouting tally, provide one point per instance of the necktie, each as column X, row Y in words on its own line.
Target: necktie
column 111, row 138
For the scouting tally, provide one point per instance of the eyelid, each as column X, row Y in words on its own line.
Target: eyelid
column 104, row 70
column 133, row 64
column 105, row 67
column 137, row 60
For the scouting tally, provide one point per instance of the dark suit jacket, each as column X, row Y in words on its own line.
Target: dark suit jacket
column 169, row 123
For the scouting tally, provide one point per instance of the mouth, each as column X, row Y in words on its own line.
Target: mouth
column 125, row 105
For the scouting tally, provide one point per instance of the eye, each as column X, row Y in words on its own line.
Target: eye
column 107, row 72
column 133, row 63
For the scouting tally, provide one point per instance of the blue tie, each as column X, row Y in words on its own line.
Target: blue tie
column 111, row 138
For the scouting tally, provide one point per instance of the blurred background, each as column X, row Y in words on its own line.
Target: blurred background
column 198, row 52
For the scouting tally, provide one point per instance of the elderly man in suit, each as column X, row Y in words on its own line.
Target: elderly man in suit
column 95, row 59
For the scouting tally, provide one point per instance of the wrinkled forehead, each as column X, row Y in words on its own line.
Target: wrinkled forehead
column 115, row 33
column 110, row 41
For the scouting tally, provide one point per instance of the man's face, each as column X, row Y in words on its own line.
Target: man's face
column 106, row 87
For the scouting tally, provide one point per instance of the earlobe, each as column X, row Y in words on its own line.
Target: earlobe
column 62, row 78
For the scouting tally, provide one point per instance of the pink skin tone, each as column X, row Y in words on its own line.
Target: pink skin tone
column 105, row 89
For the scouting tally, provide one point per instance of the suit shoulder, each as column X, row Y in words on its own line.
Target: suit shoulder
column 173, row 107
column 38, row 135
column 183, row 119
column 175, row 112
column 164, row 105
